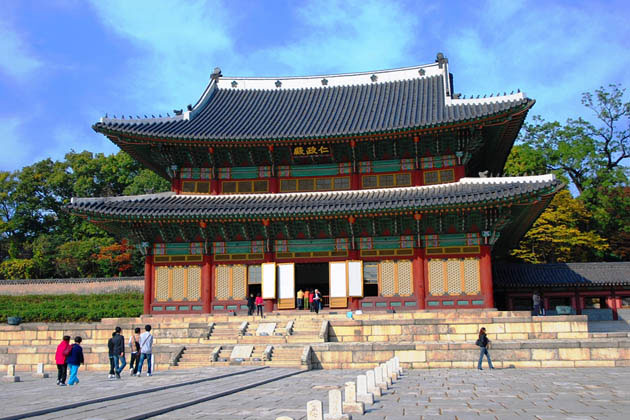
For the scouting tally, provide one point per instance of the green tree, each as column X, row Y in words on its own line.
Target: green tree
column 563, row 233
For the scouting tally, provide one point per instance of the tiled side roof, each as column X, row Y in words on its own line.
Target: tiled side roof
column 227, row 114
column 169, row 205
column 569, row 274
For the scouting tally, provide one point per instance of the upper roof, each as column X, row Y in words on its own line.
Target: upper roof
column 567, row 274
column 314, row 107
column 467, row 191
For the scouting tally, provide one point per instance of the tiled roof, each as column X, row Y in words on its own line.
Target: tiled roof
column 296, row 108
column 170, row 205
column 569, row 274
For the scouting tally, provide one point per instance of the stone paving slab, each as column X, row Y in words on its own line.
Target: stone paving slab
column 421, row 394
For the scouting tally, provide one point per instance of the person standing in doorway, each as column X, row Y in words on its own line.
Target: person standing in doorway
column 63, row 350
column 300, row 299
column 484, row 344
column 251, row 305
column 307, row 296
column 317, row 297
column 311, row 296
column 536, row 303
column 259, row 305
column 75, row 359
column 146, row 350
column 134, row 346
column 119, row 351
column 110, row 353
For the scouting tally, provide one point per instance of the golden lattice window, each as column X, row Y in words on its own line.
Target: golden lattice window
column 222, row 282
column 194, row 282
column 161, row 284
column 388, row 276
column 179, row 283
column 239, row 282
column 472, row 278
column 453, row 277
column 436, row 277
column 405, row 278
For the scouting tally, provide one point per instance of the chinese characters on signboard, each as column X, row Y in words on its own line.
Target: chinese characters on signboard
column 299, row 151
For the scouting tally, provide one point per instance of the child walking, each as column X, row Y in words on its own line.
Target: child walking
column 63, row 350
column 74, row 360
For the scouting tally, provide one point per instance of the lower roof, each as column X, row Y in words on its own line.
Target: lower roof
column 562, row 274
column 465, row 192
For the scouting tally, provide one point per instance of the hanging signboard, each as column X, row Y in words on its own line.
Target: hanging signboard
column 310, row 151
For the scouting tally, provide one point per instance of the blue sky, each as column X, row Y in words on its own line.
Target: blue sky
column 65, row 63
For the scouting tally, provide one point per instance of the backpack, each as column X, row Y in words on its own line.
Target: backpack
column 479, row 342
column 67, row 351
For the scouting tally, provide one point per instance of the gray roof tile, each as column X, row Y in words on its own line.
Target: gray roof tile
column 564, row 274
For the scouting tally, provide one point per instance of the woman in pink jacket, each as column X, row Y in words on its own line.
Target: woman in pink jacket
column 63, row 349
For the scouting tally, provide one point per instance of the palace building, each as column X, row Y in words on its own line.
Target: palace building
column 381, row 189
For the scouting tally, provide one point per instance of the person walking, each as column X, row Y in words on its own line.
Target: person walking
column 536, row 303
column 259, row 305
column 316, row 300
column 251, row 305
column 110, row 350
column 300, row 299
column 119, row 352
column 306, row 298
column 146, row 350
column 134, row 346
column 74, row 360
column 311, row 296
column 484, row 344
column 63, row 350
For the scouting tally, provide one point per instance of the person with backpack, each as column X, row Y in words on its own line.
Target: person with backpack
column 119, row 351
column 134, row 345
column 110, row 350
column 484, row 343
column 146, row 350
column 63, row 350
column 74, row 360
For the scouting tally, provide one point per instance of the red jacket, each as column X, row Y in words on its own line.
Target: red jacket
column 60, row 358
column 259, row 300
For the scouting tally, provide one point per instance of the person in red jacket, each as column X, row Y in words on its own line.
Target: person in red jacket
column 63, row 350
column 259, row 305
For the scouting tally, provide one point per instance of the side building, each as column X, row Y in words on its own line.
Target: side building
column 380, row 189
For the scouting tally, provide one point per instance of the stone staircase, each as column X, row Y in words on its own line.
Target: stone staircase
column 306, row 330
column 286, row 356
column 223, row 333
column 194, row 357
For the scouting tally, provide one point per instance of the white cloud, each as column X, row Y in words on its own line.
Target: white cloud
column 16, row 151
column 16, row 59
column 176, row 44
column 339, row 36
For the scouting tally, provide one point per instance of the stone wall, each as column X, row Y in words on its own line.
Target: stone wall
column 79, row 286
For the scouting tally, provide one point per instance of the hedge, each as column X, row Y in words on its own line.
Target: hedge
column 71, row 308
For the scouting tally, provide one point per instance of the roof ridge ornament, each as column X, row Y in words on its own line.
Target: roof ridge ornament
column 441, row 60
column 324, row 82
column 216, row 74
column 373, row 78
column 278, row 83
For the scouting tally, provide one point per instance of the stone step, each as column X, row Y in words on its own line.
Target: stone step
column 195, row 357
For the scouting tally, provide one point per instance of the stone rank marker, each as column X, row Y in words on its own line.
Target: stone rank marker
column 378, row 378
column 335, row 411
column 391, row 371
column 11, row 375
column 350, row 403
column 40, row 372
column 371, row 384
column 362, row 391
column 384, row 375
column 314, row 410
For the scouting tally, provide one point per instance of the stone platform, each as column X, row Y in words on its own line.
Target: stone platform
column 422, row 339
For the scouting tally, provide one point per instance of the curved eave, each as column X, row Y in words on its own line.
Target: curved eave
column 209, row 141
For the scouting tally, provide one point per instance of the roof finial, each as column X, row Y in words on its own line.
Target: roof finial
column 441, row 60
column 216, row 74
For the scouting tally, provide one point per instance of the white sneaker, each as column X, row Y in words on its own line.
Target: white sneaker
column 111, row 376
column 148, row 374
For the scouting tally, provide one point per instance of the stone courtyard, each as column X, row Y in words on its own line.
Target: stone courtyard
column 586, row 393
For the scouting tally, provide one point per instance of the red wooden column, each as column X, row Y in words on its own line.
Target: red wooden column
column 148, row 283
column 206, row 283
column 354, row 302
column 460, row 172
column 485, row 268
column 418, row 276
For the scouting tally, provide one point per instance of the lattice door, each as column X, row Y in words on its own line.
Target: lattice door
column 222, row 282
column 161, row 284
column 405, row 278
column 453, row 277
column 179, row 283
column 239, row 281
column 194, row 282
column 436, row 277
column 388, row 278
column 472, row 277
